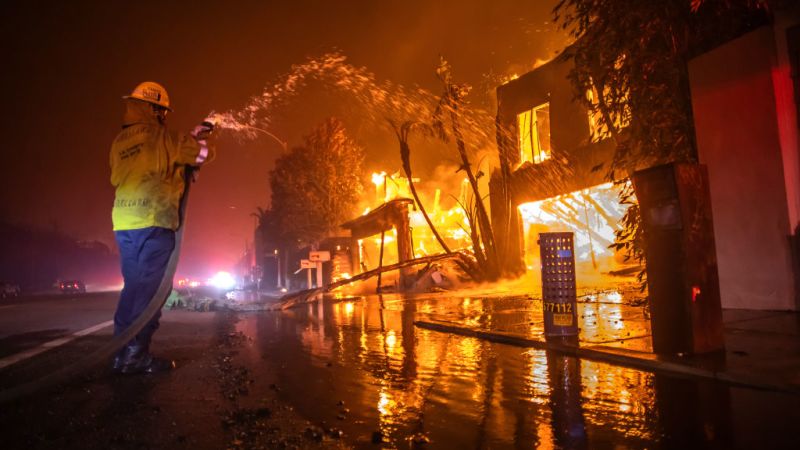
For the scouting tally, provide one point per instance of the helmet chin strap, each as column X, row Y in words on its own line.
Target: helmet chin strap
column 160, row 113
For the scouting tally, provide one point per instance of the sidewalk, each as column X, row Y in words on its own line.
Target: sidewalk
column 762, row 347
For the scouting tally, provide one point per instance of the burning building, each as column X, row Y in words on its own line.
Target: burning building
column 745, row 97
column 392, row 230
column 393, row 217
column 550, row 176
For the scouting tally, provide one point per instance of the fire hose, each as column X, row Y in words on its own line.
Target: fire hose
column 105, row 352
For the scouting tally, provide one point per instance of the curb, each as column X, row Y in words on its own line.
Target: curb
column 627, row 358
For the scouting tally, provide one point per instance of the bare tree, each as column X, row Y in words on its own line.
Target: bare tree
column 481, row 232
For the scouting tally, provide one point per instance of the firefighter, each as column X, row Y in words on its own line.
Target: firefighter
column 148, row 163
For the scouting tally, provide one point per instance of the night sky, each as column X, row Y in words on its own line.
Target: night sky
column 66, row 64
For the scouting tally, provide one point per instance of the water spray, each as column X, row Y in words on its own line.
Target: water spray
column 225, row 121
column 378, row 100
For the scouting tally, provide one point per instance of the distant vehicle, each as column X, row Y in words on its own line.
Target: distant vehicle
column 72, row 287
column 8, row 290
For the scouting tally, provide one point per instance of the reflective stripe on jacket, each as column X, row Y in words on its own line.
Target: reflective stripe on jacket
column 147, row 169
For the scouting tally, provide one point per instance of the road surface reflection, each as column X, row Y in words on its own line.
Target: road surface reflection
column 360, row 365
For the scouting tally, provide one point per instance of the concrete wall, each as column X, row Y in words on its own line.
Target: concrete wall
column 740, row 118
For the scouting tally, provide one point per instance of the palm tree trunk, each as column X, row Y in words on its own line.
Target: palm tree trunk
column 405, row 156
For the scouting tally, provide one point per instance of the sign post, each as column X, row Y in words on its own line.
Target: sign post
column 308, row 265
column 278, row 275
column 317, row 258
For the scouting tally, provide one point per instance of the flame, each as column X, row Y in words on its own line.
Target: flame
column 378, row 178
column 341, row 276
column 386, row 240
column 443, row 210
column 592, row 214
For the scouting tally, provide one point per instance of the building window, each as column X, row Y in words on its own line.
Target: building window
column 534, row 134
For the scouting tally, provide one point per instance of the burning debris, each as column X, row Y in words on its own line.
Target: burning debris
column 592, row 214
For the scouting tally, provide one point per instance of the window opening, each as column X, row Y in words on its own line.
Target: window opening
column 534, row 134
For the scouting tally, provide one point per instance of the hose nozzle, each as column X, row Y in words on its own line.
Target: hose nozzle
column 210, row 122
column 204, row 130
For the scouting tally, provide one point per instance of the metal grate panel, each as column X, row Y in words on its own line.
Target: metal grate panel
column 558, row 284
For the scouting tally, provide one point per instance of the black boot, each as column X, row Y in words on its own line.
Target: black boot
column 116, row 363
column 136, row 358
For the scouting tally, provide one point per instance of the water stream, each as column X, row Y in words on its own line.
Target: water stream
column 377, row 101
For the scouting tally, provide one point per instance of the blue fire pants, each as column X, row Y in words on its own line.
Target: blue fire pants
column 144, row 254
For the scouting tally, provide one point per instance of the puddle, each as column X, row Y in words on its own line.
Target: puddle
column 362, row 367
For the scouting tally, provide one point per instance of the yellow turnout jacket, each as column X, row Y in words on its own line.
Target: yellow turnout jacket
column 147, row 169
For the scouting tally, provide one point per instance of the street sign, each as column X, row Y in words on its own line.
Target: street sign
column 319, row 256
column 307, row 264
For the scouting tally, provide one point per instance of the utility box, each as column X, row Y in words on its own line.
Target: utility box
column 683, row 284
column 558, row 284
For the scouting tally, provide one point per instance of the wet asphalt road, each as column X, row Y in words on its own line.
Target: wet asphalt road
column 211, row 400
column 357, row 373
column 29, row 321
